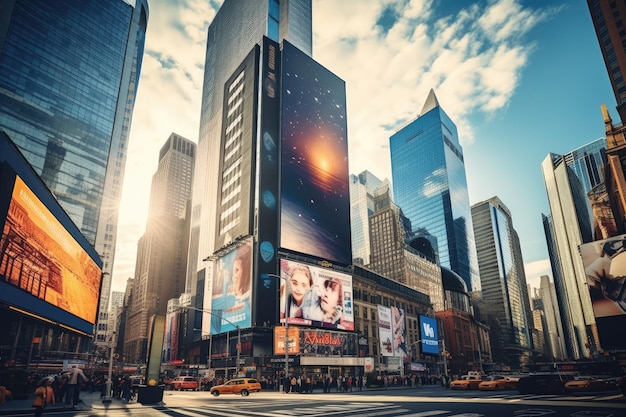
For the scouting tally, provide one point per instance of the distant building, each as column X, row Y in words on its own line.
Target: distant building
column 363, row 188
column 162, row 250
column 429, row 184
column 553, row 329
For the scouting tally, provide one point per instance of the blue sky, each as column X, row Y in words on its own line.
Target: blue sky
column 520, row 79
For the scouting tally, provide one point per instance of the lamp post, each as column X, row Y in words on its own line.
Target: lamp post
column 211, row 341
column 287, row 292
column 107, row 397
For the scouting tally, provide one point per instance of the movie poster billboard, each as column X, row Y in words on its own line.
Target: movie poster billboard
column 314, row 179
column 399, row 333
column 429, row 335
column 231, row 290
column 385, row 332
column 315, row 296
column 41, row 258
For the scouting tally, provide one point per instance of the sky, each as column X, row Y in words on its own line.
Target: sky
column 520, row 79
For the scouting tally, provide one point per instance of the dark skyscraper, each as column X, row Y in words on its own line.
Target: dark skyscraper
column 69, row 71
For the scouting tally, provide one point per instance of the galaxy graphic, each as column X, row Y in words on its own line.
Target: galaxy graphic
column 315, row 200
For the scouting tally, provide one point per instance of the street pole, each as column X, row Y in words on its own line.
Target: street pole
column 238, row 350
column 287, row 344
column 445, row 360
column 107, row 396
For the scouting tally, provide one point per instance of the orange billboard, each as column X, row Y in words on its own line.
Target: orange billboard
column 293, row 341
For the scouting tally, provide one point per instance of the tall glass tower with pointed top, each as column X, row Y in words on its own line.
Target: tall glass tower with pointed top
column 429, row 184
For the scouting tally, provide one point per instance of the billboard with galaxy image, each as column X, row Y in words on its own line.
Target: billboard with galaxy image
column 315, row 200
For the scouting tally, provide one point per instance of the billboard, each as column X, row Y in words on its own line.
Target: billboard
column 231, row 289
column 392, row 332
column 317, row 296
column 429, row 335
column 45, row 270
column 315, row 342
column 314, row 178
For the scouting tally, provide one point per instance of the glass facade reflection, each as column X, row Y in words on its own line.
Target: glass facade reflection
column 429, row 184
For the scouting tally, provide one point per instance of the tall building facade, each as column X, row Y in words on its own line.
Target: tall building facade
column 162, row 250
column 69, row 72
column 236, row 29
column 429, row 184
column 607, row 17
column 568, row 178
column 503, row 282
column 553, row 329
column 363, row 188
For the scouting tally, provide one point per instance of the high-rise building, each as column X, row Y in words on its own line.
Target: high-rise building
column 568, row 178
column 69, row 72
column 236, row 29
column 162, row 250
column 607, row 20
column 429, row 184
column 503, row 282
column 363, row 188
column 553, row 329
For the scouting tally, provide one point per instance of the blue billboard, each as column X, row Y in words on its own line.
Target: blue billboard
column 429, row 336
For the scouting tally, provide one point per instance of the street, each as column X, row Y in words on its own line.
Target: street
column 421, row 402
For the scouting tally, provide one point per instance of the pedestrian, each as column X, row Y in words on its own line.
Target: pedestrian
column 41, row 392
column 76, row 377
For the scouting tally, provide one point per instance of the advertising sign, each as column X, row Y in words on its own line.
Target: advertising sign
column 315, row 342
column 429, row 335
column 315, row 200
column 231, row 290
column 385, row 331
column 315, row 296
column 41, row 258
column 399, row 333
column 293, row 341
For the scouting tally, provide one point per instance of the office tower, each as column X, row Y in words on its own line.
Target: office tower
column 553, row 329
column 69, row 72
column 236, row 29
column 503, row 282
column 162, row 250
column 607, row 21
column 568, row 178
column 363, row 187
column 392, row 255
column 429, row 184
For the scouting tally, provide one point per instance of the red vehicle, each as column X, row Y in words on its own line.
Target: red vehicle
column 185, row 383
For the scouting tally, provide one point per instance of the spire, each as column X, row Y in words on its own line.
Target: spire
column 431, row 102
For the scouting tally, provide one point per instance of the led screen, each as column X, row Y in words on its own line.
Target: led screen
column 315, row 296
column 429, row 335
column 231, row 290
column 41, row 258
column 315, row 201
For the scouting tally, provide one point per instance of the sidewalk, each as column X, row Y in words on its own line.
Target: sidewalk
column 90, row 401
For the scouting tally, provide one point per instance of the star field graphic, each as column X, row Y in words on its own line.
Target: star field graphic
column 315, row 209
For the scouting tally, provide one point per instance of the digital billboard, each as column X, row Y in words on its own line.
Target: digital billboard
column 315, row 342
column 231, row 290
column 392, row 332
column 45, row 270
column 429, row 335
column 314, row 178
column 315, row 296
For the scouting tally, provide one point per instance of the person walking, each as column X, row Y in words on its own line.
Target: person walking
column 73, row 385
column 41, row 392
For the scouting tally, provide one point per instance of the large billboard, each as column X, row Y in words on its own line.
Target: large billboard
column 44, row 269
column 314, row 178
column 392, row 332
column 429, row 335
column 315, row 342
column 315, row 296
column 231, row 290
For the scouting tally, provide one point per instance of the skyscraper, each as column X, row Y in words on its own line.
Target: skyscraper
column 162, row 250
column 69, row 72
column 363, row 188
column 236, row 29
column 607, row 17
column 429, row 184
column 568, row 178
column 554, row 329
column 503, row 282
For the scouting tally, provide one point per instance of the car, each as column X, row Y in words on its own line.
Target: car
column 185, row 383
column 493, row 382
column 243, row 386
column 585, row 383
column 543, row 384
column 466, row 382
column 511, row 382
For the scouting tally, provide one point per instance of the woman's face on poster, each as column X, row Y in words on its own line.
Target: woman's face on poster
column 237, row 273
column 299, row 284
column 330, row 296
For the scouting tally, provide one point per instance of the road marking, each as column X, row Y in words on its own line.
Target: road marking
column 427, row 413
column 609, row 397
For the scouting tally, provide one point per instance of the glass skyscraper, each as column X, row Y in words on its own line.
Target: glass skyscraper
column 69, row 71
column 429, row 184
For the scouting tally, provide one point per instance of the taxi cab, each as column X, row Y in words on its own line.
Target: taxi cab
column 466, row 382
column 243, row 386
column 585, row 383
column 493, row 383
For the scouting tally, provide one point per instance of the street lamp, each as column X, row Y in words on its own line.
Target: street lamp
column 287, row 342
column 211, row 312
column 107, row 397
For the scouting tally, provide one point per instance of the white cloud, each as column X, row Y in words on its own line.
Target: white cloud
column 534, row 271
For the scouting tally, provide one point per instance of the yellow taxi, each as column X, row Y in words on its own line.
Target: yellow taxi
column 243, row 386
column 585, row 383
column 493, row 383
column 466, row 382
